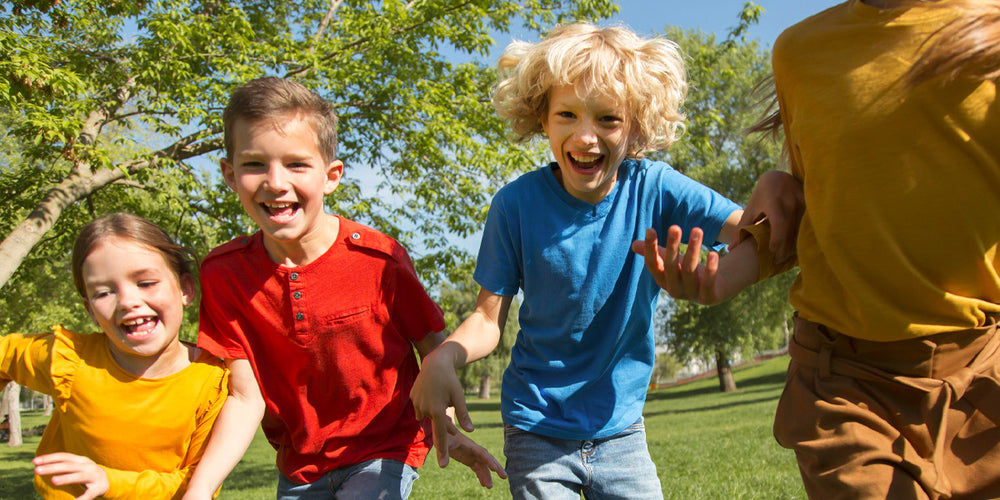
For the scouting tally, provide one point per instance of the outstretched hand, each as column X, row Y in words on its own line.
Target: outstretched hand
column 682, row 275
column 778, row 196
column 435, row 390
column 475, row 457
column 67, row 468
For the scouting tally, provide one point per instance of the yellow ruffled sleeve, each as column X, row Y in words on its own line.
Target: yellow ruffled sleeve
column 27, row 360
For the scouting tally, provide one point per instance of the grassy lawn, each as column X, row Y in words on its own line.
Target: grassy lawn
column 706, row 445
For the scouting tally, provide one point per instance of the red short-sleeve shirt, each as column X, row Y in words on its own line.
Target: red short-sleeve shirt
column 330, row 344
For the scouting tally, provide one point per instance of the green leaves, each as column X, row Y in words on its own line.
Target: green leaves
column 117, row 106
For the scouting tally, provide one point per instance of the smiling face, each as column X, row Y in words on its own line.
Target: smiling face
column 138, row 301
column 589, row 137
column 281, row 178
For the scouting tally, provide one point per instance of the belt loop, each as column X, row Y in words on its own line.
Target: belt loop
column 825, row 358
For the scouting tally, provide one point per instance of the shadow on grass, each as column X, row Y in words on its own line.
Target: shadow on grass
column 723, row 406
column 17, row 482
column 483, row 405
column 750, row 384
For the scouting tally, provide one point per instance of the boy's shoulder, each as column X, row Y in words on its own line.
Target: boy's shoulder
column 359, row 236
column 236, row 245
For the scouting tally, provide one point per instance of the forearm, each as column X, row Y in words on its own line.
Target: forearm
column 739, row 268
column 473, row 340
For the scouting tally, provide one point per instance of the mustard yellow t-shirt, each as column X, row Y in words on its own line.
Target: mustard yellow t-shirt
column 147, row 434
column 902, row 186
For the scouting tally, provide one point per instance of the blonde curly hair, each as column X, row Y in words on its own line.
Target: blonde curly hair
column 646, row 76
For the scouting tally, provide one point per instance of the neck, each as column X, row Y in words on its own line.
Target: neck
column 174, row 358
column 304, row 250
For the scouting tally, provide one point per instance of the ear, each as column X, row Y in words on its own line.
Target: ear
column 187, row 289
column 334, row 171
column 228, row 174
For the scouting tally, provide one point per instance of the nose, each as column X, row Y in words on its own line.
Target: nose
column 586, row 134
column 277, row 178
column 128, row 298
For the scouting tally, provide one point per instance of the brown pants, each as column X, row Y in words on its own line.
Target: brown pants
column 914, row 419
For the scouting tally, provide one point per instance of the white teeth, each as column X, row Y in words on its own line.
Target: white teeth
column 584, row 157
column 136, row 322
column 278, row 206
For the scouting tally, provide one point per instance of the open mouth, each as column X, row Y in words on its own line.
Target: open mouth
column 585, row 162
column 281, row 211
column 140, row 327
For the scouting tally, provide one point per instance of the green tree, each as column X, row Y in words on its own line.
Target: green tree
column 117, row 106
column 716, row 151
column 458, row 299
column 127, row 94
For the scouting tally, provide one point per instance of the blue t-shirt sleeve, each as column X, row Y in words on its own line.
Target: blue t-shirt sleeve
column 498, row 268
column 693, row 205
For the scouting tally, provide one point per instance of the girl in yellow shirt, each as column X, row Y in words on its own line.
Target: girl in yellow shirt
column 134, row 406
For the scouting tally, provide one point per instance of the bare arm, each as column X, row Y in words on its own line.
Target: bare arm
column 233, row 431
column 437, row 386
column 428, row 343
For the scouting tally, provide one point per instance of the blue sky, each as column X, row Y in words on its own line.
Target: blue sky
column 649, row 16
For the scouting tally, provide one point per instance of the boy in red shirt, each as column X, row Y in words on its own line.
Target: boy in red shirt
column 316, row 315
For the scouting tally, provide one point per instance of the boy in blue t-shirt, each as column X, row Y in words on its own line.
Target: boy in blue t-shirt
column 564, row 234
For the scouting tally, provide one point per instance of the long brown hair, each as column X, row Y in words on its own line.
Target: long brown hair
column 968, row 47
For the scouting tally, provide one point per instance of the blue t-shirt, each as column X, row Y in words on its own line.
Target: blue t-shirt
column 582, row 361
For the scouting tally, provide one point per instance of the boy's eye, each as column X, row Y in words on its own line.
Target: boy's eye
column 98, row 294
column 147, row 283
column 252, row 165
column 565, row 114
column 611, row 119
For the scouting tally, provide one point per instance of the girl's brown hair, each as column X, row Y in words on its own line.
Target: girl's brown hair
column 129, row 227
column 967, row 47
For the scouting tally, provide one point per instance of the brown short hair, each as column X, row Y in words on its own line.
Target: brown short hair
column 271, row 98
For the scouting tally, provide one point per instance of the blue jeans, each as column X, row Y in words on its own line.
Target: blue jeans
column 380, row 479
column 616, row 467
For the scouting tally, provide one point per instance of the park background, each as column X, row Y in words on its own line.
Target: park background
column 115, row 106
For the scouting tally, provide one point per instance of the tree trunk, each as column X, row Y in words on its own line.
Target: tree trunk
column 12, row 397
column 46, row 405
column 485, row 382
column 22, row 239
column 726, row 381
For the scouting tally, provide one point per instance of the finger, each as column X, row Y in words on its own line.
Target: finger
column 653, row 260
column 70, row 477
column 483, row 474
column 60, row 456
column 670, row 255
column 708, row 280
column 462, row 413
column 689, row 265
column 441, row 431
column 496, row 467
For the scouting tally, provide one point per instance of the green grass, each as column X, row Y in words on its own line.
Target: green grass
column 706, row 445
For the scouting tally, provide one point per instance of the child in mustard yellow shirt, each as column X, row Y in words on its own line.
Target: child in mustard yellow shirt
column 133, row 405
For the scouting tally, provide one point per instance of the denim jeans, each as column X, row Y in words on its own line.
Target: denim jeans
column 616, row 467
column 378, row 479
